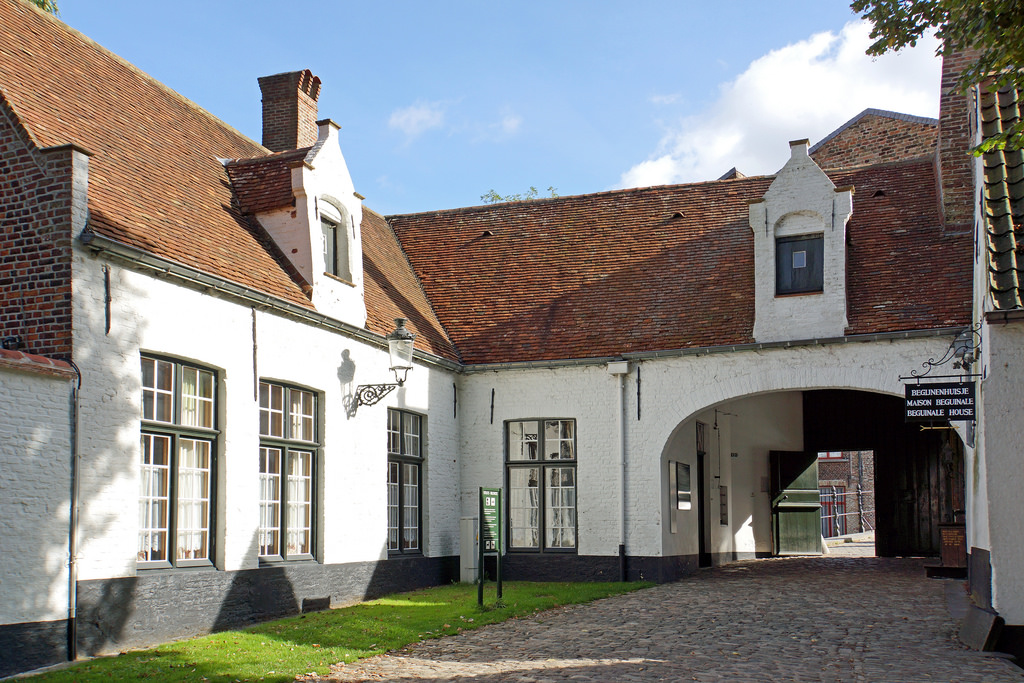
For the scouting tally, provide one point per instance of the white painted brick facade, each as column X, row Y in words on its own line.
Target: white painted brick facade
column 999, row 484
column 35, row 492
column 800, row 201
column 157, row 316
column 761, row 388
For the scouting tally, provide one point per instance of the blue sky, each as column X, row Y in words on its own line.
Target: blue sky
column 440, row 102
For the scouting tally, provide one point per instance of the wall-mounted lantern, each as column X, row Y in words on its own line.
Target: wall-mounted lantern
column 400, row 348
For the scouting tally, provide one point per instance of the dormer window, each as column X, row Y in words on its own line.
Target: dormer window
column 335, row 239
column 798, row 264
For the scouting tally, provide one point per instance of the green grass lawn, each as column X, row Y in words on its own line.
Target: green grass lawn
column 310, row 643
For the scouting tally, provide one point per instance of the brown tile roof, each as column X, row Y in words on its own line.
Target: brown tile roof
column 155, row 181
column 903, row 272
column 265, row 183
column 669, row 267
column 393, row 291
column 1004, row 201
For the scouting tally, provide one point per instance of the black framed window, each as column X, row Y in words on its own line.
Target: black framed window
column 799, row 264
column 178, row 453
column 288, row 453
column 405, row 470
column 541, row 474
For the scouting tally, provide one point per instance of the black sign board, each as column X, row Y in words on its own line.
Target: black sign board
column 940, row 401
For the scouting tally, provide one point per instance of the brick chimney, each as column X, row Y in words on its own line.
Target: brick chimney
column 957, row 130
column 289, row 110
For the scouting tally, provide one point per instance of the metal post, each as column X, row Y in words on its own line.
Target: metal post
column 860, row 507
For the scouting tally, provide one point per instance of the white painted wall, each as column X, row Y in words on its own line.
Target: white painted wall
column 157, row 316
column 35, row 491
column 323, row 179
column 760, row 387
column 1002, row 441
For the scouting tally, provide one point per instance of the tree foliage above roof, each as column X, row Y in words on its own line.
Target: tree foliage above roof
column 992, row 28
column 47, row 5
column 492, row 197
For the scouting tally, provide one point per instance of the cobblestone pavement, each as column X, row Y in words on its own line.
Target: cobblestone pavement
column 796, row 619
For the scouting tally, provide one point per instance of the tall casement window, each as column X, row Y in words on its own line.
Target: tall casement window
column 179, row 443
column 288, row 449
column 541, row 470
column 799, row 264
column 405, row 470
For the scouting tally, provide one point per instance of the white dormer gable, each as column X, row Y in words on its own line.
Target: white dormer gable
column 320, row 235
column 799, row 231
column 325, row 195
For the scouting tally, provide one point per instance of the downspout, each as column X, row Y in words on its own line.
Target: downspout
column 73, row 524
column 621, row 369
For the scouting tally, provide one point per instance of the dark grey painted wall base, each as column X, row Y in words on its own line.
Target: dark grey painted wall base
column 559, row 567
column 28, row 646
column 979, row 577
column 154, row 607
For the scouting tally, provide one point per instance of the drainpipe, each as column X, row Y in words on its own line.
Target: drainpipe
column 621, row 369
column 73, row 525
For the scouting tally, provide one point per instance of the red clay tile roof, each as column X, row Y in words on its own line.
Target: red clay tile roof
column 265, row 183
column 155, row 181
column 903, row 272
column 393, row 291
column 669, row 267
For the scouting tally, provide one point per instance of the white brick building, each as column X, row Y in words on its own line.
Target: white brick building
column 644, row 372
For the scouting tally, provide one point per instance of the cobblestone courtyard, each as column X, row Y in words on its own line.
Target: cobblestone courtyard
column 831, row 618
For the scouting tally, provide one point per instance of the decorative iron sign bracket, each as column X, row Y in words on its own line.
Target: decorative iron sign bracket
column 963, row 352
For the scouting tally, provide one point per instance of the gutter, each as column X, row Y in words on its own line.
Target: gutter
column 708, row 350
column 104, row 245
column 1004, row 317
column 99, row 244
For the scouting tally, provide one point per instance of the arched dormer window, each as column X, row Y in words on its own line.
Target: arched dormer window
column 334, row 228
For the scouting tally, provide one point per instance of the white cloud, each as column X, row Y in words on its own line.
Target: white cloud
column 418, row 118
column 509, row 124
column 804, row 90
column 665, row 99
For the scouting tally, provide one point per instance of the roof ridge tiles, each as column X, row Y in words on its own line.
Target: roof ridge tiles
column 584, row 196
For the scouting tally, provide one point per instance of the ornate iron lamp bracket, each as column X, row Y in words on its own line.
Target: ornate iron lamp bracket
column 369, row 394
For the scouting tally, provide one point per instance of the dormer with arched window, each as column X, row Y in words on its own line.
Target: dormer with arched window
column 799, row 231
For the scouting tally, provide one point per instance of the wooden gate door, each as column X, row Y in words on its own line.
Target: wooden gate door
column 796, row 508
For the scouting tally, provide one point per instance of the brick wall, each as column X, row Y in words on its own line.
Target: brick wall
column 35, row 240
column 957, row 128
column 289, row 110
column 875, row 139
column 855, row 467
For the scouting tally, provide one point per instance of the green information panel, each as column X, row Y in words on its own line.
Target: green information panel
column 490, row 526
column 490, row 537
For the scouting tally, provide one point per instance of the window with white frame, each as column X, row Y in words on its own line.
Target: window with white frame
column 176, row 475
column 541, row 471
column 405, row 473
column 288, row 452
